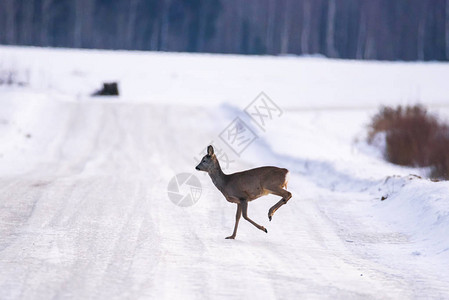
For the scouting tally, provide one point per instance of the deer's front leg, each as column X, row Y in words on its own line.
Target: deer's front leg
column 238, row 214
column 245, row 216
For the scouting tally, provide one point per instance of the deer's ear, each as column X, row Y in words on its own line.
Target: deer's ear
column 210, row 150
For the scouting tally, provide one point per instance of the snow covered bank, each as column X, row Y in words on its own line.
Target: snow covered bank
column 421, row 209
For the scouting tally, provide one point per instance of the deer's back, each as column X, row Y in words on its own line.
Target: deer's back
column 254, row 183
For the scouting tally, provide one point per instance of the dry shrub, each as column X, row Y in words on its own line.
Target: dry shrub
column 440, row 157
column 413, row 138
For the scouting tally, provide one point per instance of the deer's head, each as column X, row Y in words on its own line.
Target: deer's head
column 209, row 161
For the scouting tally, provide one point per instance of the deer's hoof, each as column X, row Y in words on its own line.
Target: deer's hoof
column 266, row 231
column 230, row 237
column 269, row 218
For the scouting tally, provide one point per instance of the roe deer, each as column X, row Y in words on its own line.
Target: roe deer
column 242, row 187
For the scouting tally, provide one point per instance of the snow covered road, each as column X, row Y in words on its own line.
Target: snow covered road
column 92, row 219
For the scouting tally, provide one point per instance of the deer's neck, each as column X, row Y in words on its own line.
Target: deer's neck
column 218, row 177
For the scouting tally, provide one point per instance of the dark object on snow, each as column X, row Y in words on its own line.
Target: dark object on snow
column 383, row 198
column 109, row 89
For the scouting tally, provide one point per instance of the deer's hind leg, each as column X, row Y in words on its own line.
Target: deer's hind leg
column 244, row 205
column 286, row 195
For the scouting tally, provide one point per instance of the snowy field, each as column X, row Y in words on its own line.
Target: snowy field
column 84, row 209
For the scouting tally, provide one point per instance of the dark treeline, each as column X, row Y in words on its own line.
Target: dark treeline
column 361, row 29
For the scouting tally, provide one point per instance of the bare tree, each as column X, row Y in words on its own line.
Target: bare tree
column 361, row 39
column 78, row 25
column 306, row 27
column 237, row 26
column 270, row 25
column 285, row 37
column 27, row 23
column 421, row 35
column 10, row 24
column 330, row 34
column 447, row 29
column 164, row 27
column 46, row 20
column 202, row 26
column 131, row 24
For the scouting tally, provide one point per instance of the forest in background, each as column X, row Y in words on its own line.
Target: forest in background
column 355, row 29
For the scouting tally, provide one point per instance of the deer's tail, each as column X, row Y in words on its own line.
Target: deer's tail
column 287, row 175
